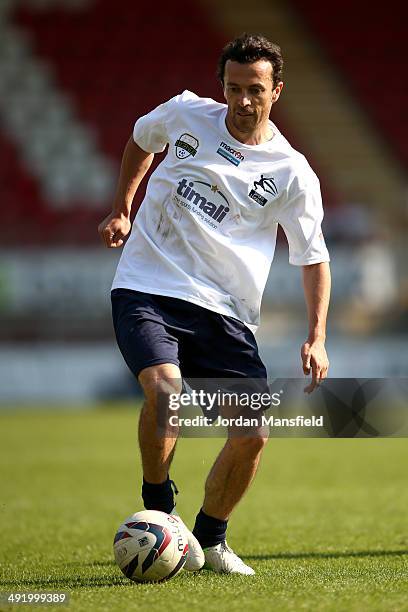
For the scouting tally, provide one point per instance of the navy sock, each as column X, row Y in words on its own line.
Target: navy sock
column 208, row 530
column 159, row 496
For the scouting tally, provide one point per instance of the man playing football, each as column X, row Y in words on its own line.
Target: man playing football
column 192, row 273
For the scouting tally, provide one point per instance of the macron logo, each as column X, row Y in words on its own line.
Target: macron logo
column 227, row 152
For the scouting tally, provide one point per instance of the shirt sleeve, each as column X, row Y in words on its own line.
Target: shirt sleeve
column 150, row 131
column 301, row 219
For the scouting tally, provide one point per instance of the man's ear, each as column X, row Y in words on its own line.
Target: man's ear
column 277, row 92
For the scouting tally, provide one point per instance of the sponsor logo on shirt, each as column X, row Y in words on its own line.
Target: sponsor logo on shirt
column 266, row 184
column 227, row 152
column 186, row 145
column 202, row 199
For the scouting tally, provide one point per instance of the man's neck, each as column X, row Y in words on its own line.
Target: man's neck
column 262, row 134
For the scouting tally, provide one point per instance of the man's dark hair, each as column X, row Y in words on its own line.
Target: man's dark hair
column 249, row 48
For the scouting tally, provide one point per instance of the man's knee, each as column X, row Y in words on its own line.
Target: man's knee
column 250, row 445
column 159, row 383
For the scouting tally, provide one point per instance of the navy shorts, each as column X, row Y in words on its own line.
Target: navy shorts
column 153, row 329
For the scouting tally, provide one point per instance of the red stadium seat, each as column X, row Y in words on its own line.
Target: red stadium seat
column 368, row 45
column 115, row 64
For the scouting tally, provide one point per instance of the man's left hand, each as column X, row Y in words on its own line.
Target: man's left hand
column 314, row 358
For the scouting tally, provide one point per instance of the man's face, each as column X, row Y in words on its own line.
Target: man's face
column 249, row 92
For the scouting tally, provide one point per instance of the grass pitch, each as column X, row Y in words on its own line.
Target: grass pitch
column 324, row 525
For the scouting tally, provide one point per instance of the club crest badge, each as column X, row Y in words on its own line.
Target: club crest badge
column 186, row 145
column 266, row 184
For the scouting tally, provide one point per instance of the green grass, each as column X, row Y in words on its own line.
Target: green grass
column 324, row 524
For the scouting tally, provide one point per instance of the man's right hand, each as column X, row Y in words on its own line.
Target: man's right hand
column 114, row 229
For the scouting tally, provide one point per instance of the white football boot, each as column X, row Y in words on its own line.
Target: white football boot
column 222, row 559
column 195, row 557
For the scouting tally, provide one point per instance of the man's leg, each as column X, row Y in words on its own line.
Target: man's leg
column 157, row 447
column 231, row 475
column 157, row 443
column 229, row 478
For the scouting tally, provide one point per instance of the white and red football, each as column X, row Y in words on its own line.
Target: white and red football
column 150, row 546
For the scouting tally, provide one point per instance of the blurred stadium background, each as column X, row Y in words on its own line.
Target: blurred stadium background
column 74, row 76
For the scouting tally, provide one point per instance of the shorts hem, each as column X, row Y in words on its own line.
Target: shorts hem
column 156, row 361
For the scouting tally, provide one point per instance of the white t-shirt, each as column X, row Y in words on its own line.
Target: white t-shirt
column 206, row 230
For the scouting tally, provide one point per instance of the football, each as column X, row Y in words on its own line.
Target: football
column 150, row 546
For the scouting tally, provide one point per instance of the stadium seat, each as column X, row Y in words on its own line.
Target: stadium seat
column 368, row 48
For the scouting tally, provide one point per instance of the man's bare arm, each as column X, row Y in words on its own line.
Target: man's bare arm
column 316, row 285
column 135, row 164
